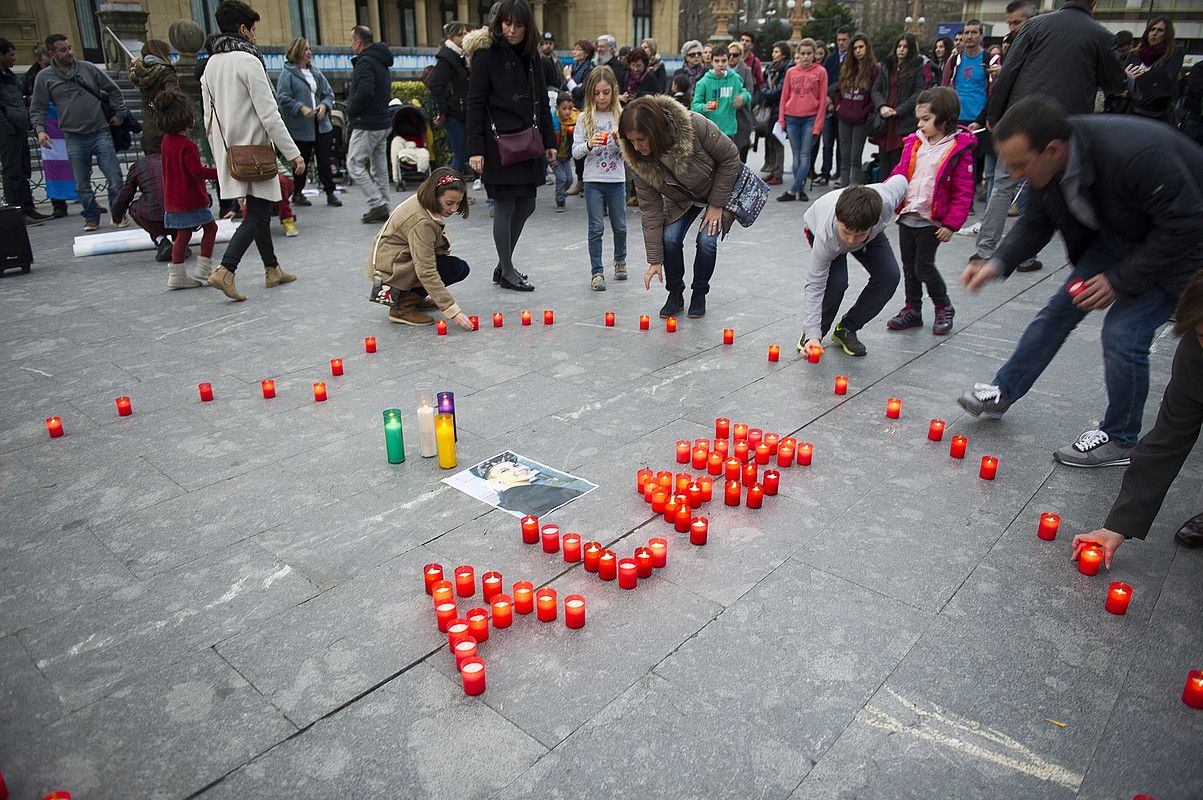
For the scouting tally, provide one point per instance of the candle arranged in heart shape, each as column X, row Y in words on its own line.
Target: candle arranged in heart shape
column 741, row 451
column 714, row 464
column 959, row 444
column 524, row 597
column 465, row 580
column 785, row 454
column 457, row 631
column 740, row 432
column 551, row 538
column 722, row 428
column 935, row 431
column 206, row 392
column 628, row 573
column 1119, row 594
column 683, row 447
column 1192, row 693
column 681, row 518
column 644, row 561
column 609, row 319
column 526, row 317
column 440, row 327
column 443, row 591
column 728, row 336
column 574, row 611
column 369, row 344
column 641, row 478
column 750, row 473
column 490, row 585
column 771, row 440
column 659, row 549
column 699, row 527
column 805, row 453
column 443, row 614
column 732, row 494
column 607, row 565
column 503, row 611
column 592, row 555
column 464, row 649
column 545, row 603
column 700, row 454
column 841, row 384
column 644, row 322
column 530, row 529
column 1049, row 523
column 472, row 672
column 432, row 574
column 772, row 481
column 1090, row 558
column 478, row 624
column 498, row 320
column 755, row 496
column 572, row 547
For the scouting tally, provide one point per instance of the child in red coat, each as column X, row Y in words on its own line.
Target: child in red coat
column 185, row 196
column 937, row 161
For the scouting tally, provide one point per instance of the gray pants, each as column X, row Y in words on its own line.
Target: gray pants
column 994, row 218
column 852, row 150
column 370, row 146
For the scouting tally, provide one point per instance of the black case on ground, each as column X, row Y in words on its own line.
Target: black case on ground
column 15, row 252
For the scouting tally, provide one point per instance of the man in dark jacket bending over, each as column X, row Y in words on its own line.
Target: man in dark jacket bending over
column 1124, row 193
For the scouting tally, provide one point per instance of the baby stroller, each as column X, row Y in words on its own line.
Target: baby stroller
column 338, row 143
column 408, row 157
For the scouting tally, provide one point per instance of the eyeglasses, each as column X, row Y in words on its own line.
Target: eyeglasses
column 695, row 54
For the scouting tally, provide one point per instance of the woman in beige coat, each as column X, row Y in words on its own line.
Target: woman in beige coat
column 241, row 109
column 411, row 264
column 682, row 164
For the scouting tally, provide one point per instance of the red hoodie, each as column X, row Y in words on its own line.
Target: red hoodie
column 804, row 94
column 184, row 175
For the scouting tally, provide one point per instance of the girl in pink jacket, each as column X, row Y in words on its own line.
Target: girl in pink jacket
column 937, row 161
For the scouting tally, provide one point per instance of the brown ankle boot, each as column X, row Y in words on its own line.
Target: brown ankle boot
column 274, row 276
column 224, row 279
column 405, row 310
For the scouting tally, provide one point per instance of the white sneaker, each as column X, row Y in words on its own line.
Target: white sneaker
column 972, row 230
column 477, row 185
column 1094, row 448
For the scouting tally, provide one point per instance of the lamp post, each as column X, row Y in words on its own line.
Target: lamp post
column 914, row 22
column 799, row 15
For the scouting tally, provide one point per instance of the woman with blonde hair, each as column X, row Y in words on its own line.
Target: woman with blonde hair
column 654, row 64
column 306, row 101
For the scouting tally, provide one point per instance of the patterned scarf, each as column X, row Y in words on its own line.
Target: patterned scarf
column 233, row 43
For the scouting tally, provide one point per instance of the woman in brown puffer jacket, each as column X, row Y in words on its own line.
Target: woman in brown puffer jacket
column 152, row 73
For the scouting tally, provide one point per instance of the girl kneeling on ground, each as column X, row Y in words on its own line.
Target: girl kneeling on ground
column 411, row 262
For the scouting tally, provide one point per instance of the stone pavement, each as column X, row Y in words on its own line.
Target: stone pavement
column 224, row 599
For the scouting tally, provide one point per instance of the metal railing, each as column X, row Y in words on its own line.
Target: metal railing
column 117, row 54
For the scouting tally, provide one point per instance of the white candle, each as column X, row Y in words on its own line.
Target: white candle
column 428, row 447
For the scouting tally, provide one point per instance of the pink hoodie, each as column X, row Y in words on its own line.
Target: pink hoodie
column 952, row 196
column 804, row 94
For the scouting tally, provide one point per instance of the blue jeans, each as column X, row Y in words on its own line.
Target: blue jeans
column 1128, row 331
column 457, row 140
column 612, row 197
column 674, row 254
column 878, row 260
column 80, row 149
column 799, row 129
column 565, row 175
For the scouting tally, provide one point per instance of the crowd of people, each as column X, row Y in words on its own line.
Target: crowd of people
column 1012, row 125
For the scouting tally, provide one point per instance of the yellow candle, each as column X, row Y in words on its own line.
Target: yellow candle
column 444, row 434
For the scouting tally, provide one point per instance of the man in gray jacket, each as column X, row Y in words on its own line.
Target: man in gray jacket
column 14, row 138
column 76, row 88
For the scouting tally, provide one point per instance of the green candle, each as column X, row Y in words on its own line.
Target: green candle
column 394, row 442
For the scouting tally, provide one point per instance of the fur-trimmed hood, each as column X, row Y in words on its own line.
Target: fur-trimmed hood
column 478, row 39
column 653, row 171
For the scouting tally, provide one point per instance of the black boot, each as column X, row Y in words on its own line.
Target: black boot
column 515, row 281
column 299, row 199
column 673, row 305
column 697, row 305
column 332, row 199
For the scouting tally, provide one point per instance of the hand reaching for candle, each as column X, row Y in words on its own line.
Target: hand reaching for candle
column 1107, row 539
column 978, row 272
column 653, row 269
column 1097, row 295
column 461, row 319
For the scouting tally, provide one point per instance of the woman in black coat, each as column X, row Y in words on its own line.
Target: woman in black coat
column 1153, row 69
column 902, row 76
column 505, row 97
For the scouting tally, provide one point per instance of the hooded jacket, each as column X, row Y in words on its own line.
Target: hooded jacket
column 371, row 88
column 151, row 75
column 701, row 167
column 449, row 83
column 804, row 94
column 14, row 116
column 952, row 195
column 721, row 91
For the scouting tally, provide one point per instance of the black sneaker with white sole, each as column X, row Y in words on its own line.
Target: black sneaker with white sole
column 984, row 400
column 1094, row 448
column 848, row 341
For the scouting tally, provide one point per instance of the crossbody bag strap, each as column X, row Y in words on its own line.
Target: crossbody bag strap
column 213, row 108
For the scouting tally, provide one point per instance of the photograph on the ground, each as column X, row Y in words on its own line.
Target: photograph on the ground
column 519, row 485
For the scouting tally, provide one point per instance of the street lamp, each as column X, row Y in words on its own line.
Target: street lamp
column 799, row 15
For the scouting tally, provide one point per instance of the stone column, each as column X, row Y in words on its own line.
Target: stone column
column 462, row 12
column 374, row 20
column 128, row 22
column 421, row 22
column 539, row 13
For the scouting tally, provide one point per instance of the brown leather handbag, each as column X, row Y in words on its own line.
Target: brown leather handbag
column 252, row 163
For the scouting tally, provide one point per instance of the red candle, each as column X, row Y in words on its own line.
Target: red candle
column 698, row 529
column 432, row 573
column 269, row 388
column 683, row 451
column 700, row 454
column 750, row 473
column 465, row 580
column 741, row 432
column 762, row 453
column 957, row 450
column 658, row 546
column 670, row 325
column 935, row 431
column 741, row 451
column 721, row 446
column 551, row 538
column 607, row 565
column 774, row 352
column 530, row 529
column 893, row 408
column 478, row 624
column 572, row 547
column 665, row 480
column 546, row 602
column 695, row 495
column 785, row 454
column 319, row 392
column 806, row 452
column 1048, row 526
column 732, row 494
column 443, row 591
column 490, row 587
column 644, row 322
column 206, row 392
column 457, row 631
column 1090, row 558
column 772, row 481
column 714, row 464
column 755, row 436
column 524, row 597
column 771, row 440
column 841, row 384
column 369, row 344
column 1192, row 694
column 728, row 336
column 503, row 611
column 549, row 317
column 755, row 496
column 641, row 479
column 475, row 322
column 472, row 672
column 659, row 501
column 440, row 327
column 1119, row 594
column 670, row 509
column 54, row 427
column 681, row 523
column 649, row 489
column 593, row 552
column 707, row 487
column 497, row 319
column 1075, row 288
column 444, row 613
column 722, row 428
column 644, row 562
column 464, row 649
column 628, row 573
column 526, row 317
column 731, row 469
column 682, row 482
column 609, row 323
column 574, row 611
column 336, row 366
column 989, row 468
column 124, row 407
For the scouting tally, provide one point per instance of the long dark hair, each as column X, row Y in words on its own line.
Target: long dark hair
column 520, row 12
column 948, row 48
column 1169, row 38
column 858, row 73
column 906, row 67
column 644, row 115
